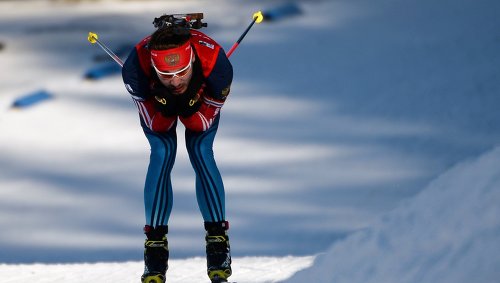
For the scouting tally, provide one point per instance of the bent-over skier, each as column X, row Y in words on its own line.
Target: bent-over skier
column 179, row 73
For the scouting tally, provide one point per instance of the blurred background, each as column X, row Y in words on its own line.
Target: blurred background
column 339, row 111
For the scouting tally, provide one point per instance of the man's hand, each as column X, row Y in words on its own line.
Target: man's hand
column 165, row 102
column 188, row 104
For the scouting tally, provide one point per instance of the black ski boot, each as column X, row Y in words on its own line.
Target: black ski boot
column 218, row 251
column 155, row 254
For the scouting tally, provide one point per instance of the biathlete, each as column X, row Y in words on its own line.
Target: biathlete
column 180, row 74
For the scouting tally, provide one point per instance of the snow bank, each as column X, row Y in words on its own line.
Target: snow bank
column 448, row 233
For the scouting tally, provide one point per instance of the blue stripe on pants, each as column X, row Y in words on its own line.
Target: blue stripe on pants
column 209, row 186
column 158, row 185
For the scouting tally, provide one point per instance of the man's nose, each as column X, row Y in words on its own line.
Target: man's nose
column 176, row 81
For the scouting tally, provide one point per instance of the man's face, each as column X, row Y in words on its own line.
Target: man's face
column 177, row 81
column 174, row 67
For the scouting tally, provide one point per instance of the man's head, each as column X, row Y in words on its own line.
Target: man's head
column 172, row 57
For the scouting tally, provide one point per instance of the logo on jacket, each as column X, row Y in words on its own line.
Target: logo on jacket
column 225, row 92
column 161, row 100
column 129, row 88
column 204, row 43
column 195, row 99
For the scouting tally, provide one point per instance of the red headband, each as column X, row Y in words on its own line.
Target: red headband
column 172, row 59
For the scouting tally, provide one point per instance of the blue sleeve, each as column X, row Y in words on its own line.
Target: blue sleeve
column 135, row 80
column 220, row 79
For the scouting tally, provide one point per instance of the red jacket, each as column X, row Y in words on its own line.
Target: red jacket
column 138, row 76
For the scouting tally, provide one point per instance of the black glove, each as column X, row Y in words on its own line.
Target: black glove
column 188, row 103
column 165, row 101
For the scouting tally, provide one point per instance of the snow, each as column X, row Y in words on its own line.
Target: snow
column 448, row 233
column 246, row 269
column 361, row 135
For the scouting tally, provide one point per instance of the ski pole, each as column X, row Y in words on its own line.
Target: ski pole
column 94, row 38
column 257, row 18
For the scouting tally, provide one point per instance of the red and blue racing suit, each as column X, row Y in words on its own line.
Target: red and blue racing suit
column 201, row 128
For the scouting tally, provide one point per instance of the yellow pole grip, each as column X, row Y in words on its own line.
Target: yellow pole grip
column 93, row 37
column 258, row 17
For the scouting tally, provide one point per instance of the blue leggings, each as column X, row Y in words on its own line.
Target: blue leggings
column 158, row 188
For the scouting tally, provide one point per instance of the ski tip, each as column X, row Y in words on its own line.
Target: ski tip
column 102, row 70
column 31, row 99
column 281, row 12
